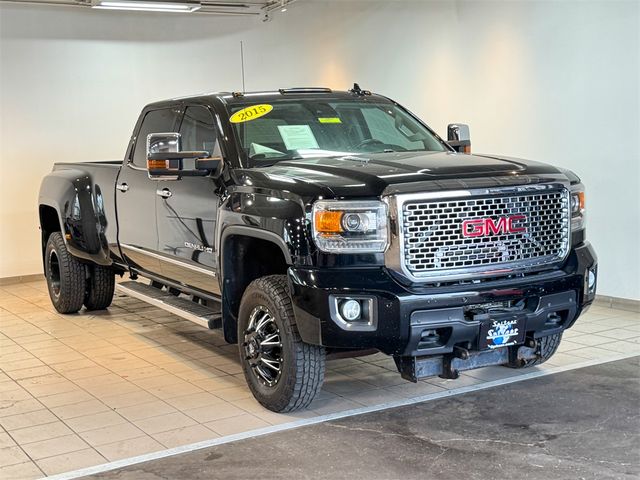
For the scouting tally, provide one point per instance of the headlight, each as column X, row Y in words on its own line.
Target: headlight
column 350, row 226
column 577, row 207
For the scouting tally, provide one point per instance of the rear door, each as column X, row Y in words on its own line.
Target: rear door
column 136, row 195
column 187, row 209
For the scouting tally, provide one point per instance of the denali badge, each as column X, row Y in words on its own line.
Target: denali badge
column 199, row 248
column 479, row 227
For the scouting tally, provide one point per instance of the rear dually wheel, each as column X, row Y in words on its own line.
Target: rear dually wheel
column 100, row 288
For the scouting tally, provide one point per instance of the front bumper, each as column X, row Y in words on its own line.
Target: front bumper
column 417, row 321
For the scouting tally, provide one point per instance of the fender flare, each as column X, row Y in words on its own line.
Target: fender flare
column 229, row 318
column 79, row 205
column 242, row 230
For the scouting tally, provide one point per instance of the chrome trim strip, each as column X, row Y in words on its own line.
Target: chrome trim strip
column 169, row 260
column 441, row 296
column 394, row 256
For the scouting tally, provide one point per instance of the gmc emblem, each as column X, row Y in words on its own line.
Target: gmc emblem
column 479, row 227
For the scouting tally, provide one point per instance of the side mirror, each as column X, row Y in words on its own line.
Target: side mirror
column 165, row 158
column 458, row 137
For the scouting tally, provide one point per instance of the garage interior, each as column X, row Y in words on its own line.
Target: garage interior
column 104, row 391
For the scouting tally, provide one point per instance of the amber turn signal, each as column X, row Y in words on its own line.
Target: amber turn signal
column 327, row 221
column 577, row 203
column 156, row 164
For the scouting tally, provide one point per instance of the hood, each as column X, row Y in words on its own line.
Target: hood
column 371, row 175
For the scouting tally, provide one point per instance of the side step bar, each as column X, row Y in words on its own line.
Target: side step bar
column 180, row 306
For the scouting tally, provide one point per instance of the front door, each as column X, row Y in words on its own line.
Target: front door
column 186, row 211
column 136, row 196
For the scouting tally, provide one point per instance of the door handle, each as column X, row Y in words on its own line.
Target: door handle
column 123, row 187
column 164, row 193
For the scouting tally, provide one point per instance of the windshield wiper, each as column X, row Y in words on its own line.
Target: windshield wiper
column 354, row 155
column 268, row 162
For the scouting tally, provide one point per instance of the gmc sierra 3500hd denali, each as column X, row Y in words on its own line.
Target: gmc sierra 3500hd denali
column 307, row 222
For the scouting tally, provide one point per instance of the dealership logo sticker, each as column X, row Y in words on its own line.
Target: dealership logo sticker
column 502, row 334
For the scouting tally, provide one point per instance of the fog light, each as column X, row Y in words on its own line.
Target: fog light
column 354, row 313
column 350, row 310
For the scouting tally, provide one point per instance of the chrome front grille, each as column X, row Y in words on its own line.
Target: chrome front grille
column 484, row 233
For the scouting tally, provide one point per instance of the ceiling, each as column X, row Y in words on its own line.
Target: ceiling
column 263, row 8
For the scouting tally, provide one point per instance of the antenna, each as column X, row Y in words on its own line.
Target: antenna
column 242, row 64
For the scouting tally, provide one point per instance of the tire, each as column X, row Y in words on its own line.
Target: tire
column 547, row 347
column 100, row 287
column 265, row 311
column 65, row 276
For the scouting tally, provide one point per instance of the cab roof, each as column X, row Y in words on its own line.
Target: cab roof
column 231, row 98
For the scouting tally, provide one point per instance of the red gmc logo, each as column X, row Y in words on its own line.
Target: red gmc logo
column 480, row 227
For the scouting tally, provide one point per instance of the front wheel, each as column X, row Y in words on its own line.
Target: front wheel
column 283, row 372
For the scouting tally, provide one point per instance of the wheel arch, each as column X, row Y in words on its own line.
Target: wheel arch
column 246, row 254
column 49, row 222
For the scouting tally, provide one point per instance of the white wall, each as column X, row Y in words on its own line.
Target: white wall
column 553, row 81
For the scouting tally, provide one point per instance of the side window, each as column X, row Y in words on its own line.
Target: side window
column 155, row 121
column 198, row 130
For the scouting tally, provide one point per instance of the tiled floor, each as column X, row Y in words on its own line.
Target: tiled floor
column 85, row 389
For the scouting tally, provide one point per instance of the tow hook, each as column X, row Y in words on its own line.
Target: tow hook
column 447, row 368
column 461, row 353
column 527, row 351
column 448, row 371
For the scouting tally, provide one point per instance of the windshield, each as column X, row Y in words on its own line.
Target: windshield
column 293, row 129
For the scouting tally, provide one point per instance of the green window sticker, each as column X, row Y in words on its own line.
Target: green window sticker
column 329, row 120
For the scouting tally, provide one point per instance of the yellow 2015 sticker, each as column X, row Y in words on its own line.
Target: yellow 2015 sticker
column 251, row 113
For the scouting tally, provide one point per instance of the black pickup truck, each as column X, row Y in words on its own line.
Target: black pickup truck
column 308, row 222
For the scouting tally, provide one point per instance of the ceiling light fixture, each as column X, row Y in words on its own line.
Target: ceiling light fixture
column 272, row 7
column 142, row 6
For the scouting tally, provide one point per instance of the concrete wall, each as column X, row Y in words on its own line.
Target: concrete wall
column 552, row 81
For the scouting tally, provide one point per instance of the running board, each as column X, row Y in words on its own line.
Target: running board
column 180, row 306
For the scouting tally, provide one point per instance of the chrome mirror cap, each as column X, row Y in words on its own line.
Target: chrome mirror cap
column 163, row 143
column 458, row 137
